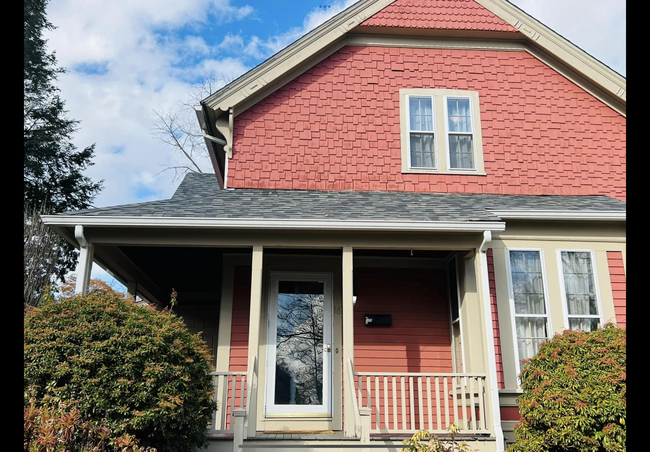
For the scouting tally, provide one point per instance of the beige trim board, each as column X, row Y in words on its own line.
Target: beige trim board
column 434, row 42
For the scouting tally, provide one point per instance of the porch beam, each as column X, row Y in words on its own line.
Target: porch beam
column 254, row 329
column 348, row 340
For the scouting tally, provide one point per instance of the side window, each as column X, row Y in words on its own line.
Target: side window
column 579, row 290
column 528, row 302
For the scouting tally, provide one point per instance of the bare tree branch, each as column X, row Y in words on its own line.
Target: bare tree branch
column 178, row 129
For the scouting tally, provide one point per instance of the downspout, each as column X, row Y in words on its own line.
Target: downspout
column 492, row 363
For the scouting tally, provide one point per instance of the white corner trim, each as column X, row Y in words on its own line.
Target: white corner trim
column 262, row 223
column 560, row 215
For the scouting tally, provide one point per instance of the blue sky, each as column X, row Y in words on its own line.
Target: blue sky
column 126, row 58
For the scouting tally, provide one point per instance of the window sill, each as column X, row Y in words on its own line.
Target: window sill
column 452, row 172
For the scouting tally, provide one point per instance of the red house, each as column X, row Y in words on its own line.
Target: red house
column 406, row 202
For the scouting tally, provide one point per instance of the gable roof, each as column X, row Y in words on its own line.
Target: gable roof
column 198, row 202
column 328, row 37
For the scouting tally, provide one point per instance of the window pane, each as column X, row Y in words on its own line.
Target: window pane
column 458, row 115
column 461, row 153
column 525, row 268
column 579, row 283
column 421, row 113
column 422, row 155
column 584, row 324
column 531, row 333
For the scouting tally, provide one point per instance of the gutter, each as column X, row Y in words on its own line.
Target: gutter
column 489, row 337
column 273, row 224
column 559, row 215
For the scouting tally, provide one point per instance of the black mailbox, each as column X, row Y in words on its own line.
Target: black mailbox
column 378, row 320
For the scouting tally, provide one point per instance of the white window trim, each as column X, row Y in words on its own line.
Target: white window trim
column 447, row 133
column 433, row 132
column 565, row 308
column 440, row 130
column 511, row 297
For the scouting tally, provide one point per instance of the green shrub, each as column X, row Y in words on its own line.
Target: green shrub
column 574, row 394
column 135, row 370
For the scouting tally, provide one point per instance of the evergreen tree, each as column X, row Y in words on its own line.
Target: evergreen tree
column 53, row 166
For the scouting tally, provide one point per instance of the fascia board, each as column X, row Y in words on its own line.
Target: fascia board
column 559, row 215
column 262, row 224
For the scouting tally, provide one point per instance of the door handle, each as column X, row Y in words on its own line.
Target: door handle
column 327, row 348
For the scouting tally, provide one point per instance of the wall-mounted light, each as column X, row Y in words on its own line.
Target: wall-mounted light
column 354, row 294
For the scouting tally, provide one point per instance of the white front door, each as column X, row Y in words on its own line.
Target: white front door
column 299, row 351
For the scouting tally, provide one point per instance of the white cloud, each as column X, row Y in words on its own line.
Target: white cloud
column 264, row 48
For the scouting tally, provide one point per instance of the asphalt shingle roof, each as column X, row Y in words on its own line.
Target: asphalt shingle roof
column 199, row 196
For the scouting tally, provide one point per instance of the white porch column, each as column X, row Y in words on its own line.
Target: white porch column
column 489, row 341
column 348, row 341
column 87, row 253
column 225, row 315
column 254, row 328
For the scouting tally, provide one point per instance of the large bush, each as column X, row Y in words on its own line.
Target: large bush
column 574, row 394
column 134, row 370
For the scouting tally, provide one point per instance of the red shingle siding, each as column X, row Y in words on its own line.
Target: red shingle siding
column 495, row 320
column 337, row 127
column 440, row 14
column 419, row 339
column 617, row 278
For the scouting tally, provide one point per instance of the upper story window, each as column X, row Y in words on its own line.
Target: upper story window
column 579, row 290
column 441, row 131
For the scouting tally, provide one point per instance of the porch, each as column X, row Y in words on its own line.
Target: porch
column 420, row 372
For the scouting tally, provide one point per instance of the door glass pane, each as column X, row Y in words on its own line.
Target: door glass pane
column 299, row 343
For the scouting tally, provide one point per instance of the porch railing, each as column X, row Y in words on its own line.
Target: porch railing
column 229, row 394
column 407, row 402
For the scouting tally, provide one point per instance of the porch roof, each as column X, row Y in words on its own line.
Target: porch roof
column 199, row 196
